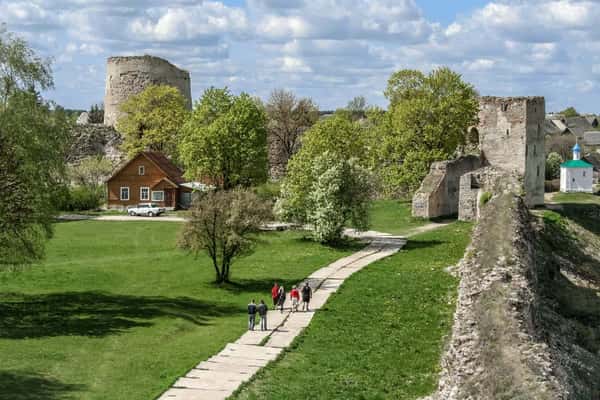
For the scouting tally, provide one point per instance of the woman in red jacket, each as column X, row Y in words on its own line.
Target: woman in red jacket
column 275, row 294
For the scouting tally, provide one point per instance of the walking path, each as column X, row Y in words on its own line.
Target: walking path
column 219, row 376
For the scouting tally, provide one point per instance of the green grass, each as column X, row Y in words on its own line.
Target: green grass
column 393, row 216
column 576, row 198
column 116, row 312
column 381, row 335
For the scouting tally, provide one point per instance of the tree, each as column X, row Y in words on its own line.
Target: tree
column 20, row 68
column 427, row 121
column 569, row 112
column 33, row 142
column 339, row 192
column 222, row 223
column 96, row 113
column 288, row 118
column 225, row 140
column 357, row 107
column 338, row 135
column 553, row 162
column 152, row 120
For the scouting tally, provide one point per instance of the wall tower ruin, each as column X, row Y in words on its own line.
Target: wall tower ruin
column 126, row 76
column 512, row 138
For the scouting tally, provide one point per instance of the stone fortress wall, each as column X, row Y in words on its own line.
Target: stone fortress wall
column 511, row 139
column 126, row 76
column 439, row 193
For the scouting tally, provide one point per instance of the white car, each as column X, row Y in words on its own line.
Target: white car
column 148, row 209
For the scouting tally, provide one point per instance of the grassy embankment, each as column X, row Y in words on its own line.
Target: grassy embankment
column 381, row 335
column 117, row 312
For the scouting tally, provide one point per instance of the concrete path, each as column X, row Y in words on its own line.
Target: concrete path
column 219, row 376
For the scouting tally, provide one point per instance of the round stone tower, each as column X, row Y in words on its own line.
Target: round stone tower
column 126, row 76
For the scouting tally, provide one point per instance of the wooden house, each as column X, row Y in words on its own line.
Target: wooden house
column 150, row 177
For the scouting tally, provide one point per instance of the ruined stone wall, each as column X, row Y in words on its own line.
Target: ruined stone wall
column 516, row 334
column 95, row 140
column 439, row 192
column 512, row 138
column 473, row 185
column 126, row 76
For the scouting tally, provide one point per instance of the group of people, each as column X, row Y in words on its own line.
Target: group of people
column 278, row 295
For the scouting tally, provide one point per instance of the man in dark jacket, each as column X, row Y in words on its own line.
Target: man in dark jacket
column 251, row 315
column 306, row 296
column 262, row 311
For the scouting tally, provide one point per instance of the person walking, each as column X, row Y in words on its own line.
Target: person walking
column 275, row 294
column 306, row 296
column 262, row 312
column 251, row 315
column 295, row 296
column 281, row 297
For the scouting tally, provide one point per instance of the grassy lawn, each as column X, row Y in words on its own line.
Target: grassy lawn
column 381, row 335
column 393, row 216
column 576, row 198
column 116, row 312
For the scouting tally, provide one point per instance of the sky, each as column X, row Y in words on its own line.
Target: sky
column 329, row 50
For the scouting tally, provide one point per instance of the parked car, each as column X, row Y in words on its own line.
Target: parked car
column 148, row 209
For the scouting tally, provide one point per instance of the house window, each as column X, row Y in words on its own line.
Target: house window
column 141, row 170
column 584, row 174
column 144, row 193
column 158, row 196
column 124, row 193
column 538, row 170
column 507, row 132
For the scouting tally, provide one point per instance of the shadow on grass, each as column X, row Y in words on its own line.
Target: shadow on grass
column 344, row 244
column 16, row 385
column 95, row 314
column 586, row 215
column 421, row 244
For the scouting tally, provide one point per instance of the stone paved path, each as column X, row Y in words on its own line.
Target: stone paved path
column 219, row 376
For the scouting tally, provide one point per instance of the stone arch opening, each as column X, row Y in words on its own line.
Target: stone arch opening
column 473, row 136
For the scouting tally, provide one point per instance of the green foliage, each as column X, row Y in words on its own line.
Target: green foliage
column 268, row 191
column 96, row 114
column 112, row 298
column 225, row 140
column 152, row 120
column 569, row 112
column 82, row 198
column 90, row 171
column 33, row 142
column 485, row 198
column 222, row 223
column 427, row 121
column 553, row 162
column 381, row 336
column 20, row 68
column 335, row 191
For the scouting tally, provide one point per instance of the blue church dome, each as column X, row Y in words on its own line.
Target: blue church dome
column 577, row 148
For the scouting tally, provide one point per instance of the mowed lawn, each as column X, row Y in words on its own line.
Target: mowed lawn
column 381, row 335
column 117, row 312
column 393, row 216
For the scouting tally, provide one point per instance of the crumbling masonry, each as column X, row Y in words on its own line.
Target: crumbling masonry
column 511, row 139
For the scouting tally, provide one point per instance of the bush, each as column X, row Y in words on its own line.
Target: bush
column 267, row 191
column 82, row 198
column 553, row 162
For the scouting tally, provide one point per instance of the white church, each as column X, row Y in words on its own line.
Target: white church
column 576, row 175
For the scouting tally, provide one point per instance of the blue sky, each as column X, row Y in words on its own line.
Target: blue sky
column 330, row 50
